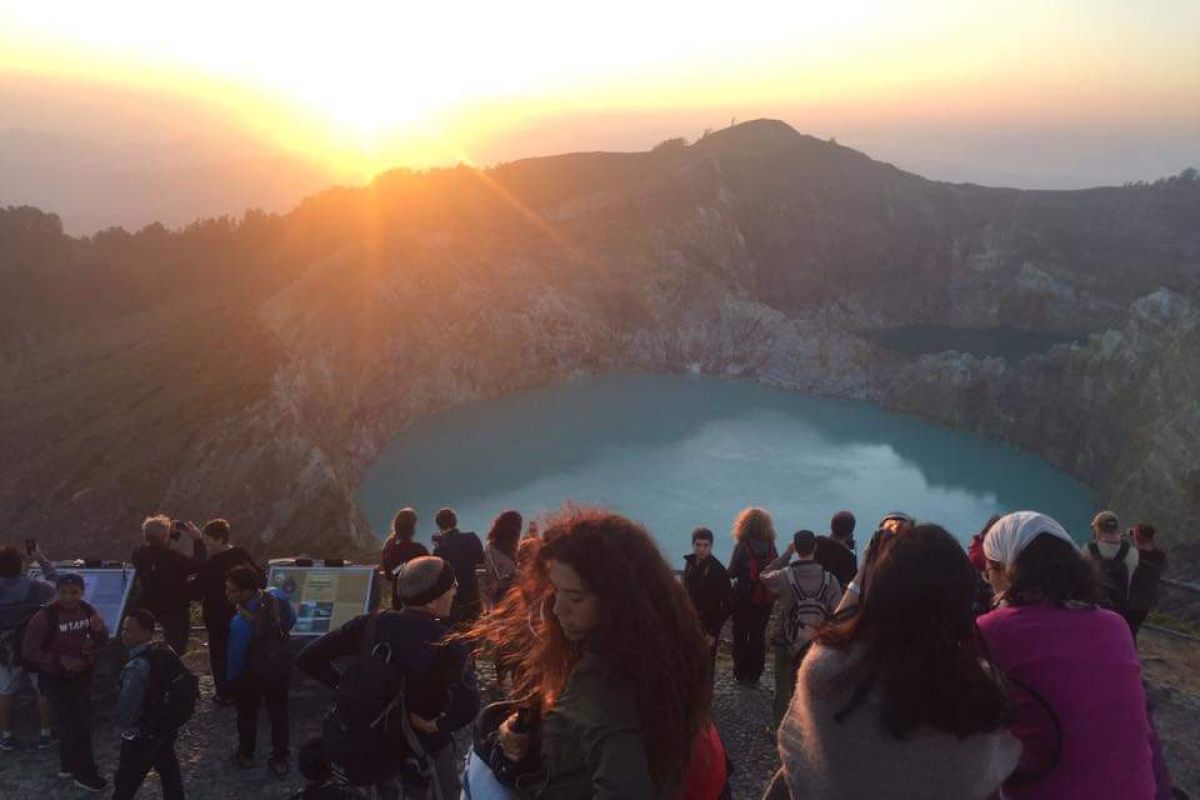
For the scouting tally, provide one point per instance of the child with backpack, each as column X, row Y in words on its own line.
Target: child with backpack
column 61, row 642
column 808, row 595
column 158, row 695
column 260, row 664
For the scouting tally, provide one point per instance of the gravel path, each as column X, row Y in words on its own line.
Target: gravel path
column 742, row 715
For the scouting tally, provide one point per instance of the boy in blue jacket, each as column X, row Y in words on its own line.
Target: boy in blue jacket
column 260, row 664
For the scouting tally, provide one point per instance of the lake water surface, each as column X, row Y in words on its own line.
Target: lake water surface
column 677, row 451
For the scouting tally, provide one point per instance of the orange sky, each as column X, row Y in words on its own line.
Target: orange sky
column 359, row 87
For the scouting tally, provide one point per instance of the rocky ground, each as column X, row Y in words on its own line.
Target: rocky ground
column 1172, row 667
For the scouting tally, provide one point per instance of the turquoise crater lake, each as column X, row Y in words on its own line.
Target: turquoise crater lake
column 677, row 451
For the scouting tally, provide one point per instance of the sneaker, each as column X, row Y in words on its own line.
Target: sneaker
column 66, row 773
column 242, row 761
column 278, row 765
column 45, row 742
column 93, row 783
column 8, row 742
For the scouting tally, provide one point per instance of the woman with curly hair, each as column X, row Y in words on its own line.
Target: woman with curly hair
column 609, row 655
column 754, row 533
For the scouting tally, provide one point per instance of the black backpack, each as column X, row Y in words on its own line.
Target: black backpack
column 171, row 693
column 1114, row 577
column 367, row 735
column 12, row 638
column 269, row 655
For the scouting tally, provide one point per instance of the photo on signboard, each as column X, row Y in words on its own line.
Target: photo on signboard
column 324, row 598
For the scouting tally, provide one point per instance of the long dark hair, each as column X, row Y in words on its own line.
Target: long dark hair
column 1051, row 570
column 648, row 633
column 506, row 532
column 919, row 643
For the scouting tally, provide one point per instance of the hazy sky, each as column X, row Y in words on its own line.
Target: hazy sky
column 108, row 98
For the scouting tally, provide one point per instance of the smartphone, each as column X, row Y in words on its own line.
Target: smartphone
column 177, row 529
column 31, row 546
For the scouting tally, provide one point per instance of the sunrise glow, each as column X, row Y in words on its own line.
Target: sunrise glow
column 369, row 85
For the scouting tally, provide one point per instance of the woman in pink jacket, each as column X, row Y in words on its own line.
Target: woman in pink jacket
column 1074, row 674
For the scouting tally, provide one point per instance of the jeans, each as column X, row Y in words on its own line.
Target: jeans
column 71, row 698
column 750, row 641
column 138, row 757
column 248, row 695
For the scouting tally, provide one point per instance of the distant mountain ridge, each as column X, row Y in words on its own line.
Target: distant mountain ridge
column 254, row 368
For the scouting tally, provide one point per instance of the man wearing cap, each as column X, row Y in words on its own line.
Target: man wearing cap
column 1115, row 556
column 440, row 689
column 61, row 642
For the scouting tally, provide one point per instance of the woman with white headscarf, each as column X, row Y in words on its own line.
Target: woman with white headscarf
column 1076, row 680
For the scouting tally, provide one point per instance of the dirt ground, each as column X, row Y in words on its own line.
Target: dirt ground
column 1172, row 670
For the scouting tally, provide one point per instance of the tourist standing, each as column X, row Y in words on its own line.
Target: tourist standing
column 754, row 534
column 440, row 694
column 808, row 595
column 260, row 664
column 835, row 552
column 613, row 677
column 894, row 701
column 145, row 743
column 1143, row 589
column 401, row 546
column 500, row 556
column 21, row 596
column 892, row 523
column 1117, row 559
column 1067, row 656
column 162, row 576
column 464, row 551
column 208, row 586
column 707, row 583
column 61, row 642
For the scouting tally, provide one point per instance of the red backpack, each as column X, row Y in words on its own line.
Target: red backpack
column 760, row 595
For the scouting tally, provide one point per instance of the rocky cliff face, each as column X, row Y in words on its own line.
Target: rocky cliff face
column 756, row 252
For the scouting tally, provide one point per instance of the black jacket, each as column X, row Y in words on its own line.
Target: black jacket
column 162, row 576
column 208, row 584
column 439, row 679
column 836, row 558
column 1143, row 587
column 708, row 587
column 464, row 551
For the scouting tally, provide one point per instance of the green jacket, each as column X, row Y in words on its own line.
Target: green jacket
column 592, row 742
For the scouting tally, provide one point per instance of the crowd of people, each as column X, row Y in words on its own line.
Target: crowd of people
column 913, row 667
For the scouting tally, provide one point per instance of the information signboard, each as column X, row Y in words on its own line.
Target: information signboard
column 105, row 588
column 323, row 597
